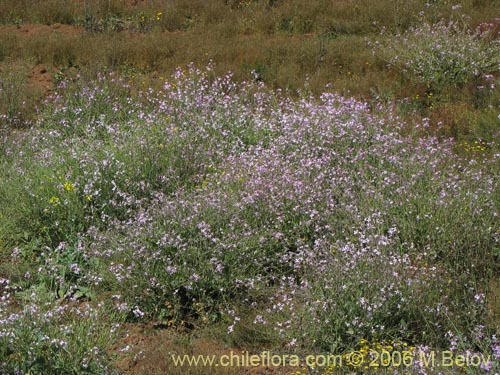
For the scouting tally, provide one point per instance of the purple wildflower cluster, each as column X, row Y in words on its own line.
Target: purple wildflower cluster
column 444, row 53
column 207, row 198
column 42, row 335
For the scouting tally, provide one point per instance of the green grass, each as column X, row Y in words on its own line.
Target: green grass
column 296, row 223
column 285, row 42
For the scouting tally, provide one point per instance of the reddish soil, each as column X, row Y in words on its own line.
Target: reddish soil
column 144, row 349
column 30, row 30
column 40, row 78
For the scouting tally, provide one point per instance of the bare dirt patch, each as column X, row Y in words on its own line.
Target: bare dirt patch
column 37, row 29
column 40, row 78
column 146, row 349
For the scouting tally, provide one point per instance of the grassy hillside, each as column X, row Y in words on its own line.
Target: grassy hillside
column 336, row 194
column 287, row 43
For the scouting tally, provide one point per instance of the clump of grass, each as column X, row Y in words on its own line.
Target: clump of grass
column 17, row 100
column 44, row 337
column 443, row 54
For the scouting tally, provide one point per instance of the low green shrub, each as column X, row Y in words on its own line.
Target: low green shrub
column 443, row 54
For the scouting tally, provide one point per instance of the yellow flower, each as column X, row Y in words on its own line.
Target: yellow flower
column 55, row 201
column 68, row 186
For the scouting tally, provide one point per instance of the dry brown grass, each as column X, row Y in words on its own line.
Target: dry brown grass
column 286, row 42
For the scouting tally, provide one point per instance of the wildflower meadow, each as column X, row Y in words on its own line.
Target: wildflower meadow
column 212, row 206
column 311, row 222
